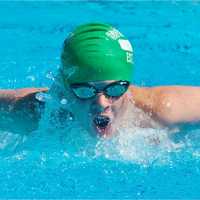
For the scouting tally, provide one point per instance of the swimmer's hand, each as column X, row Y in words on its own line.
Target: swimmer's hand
column 26, row 98
column 20, row 110
column 27, row 93
column 10, row 99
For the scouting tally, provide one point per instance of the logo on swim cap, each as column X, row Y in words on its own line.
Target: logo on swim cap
column 114, row 34
column 129, row 57
column 125, row 45
column 98, row 52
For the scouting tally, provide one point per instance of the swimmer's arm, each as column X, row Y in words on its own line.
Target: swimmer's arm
column 171, row 105
column 176, row 104
column 20, row 110
column 10, row 98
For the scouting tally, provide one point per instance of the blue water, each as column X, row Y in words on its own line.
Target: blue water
column 49, row 163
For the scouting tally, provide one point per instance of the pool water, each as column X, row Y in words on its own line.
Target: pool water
column 57, row 162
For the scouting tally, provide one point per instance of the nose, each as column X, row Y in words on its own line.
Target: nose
column 102, row 100
column 101, row 103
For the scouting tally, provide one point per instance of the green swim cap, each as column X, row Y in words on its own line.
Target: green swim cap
column 96, row 52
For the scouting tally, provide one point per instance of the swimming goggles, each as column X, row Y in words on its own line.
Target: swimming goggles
column 87, row 91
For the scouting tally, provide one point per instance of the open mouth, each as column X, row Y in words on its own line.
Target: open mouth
column 102, row 123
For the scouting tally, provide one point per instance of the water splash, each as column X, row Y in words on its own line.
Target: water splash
column 139, row 145
column 59, row 136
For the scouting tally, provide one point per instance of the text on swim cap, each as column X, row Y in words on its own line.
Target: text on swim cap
column 125, row 45
column 114, row 34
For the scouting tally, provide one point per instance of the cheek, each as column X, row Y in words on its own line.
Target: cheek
column 81, row 111
column 117, row 106
column 83, row 116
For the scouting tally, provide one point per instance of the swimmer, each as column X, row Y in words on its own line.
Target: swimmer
column 96, row 70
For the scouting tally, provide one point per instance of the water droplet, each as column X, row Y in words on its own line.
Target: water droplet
column 42, row 96
column 32, row 78
column 50, row 75
column 70, row 118
column 65, row 154
column 63, row 101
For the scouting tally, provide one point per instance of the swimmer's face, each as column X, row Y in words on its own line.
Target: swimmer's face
column 100, row 105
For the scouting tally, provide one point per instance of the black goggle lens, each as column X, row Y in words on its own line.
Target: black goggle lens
column 84, row 92
column 116, row 90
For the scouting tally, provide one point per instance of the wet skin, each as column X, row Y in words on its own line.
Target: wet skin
column 168, row 105
column 20, row 111
column 101, row 106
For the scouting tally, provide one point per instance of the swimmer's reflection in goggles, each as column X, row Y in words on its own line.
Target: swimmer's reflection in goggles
column 88, row 91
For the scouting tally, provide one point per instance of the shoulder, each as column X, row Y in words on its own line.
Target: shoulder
column 144, row 97
column 162, row 102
